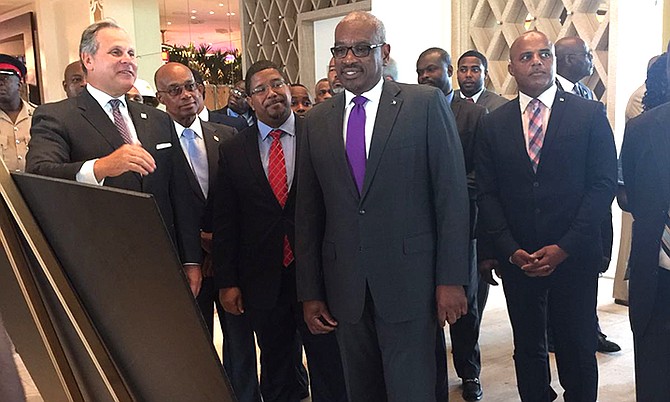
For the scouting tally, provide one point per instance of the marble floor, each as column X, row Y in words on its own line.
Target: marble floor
column 616, row 370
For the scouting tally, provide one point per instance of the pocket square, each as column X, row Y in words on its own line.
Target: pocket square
column 163, row 145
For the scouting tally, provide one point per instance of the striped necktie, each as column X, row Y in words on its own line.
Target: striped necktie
column 119, row 122
column 535, row 131
column 279, row 183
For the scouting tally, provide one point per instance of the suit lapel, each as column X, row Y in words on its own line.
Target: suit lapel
column 253, row 155
column 334, row 129
column 99, row 120
column 456, row 104
column 555, row 119
column 212, row 145
column 518, row 136
column 389, row 106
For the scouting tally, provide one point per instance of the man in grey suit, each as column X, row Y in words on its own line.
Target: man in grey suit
column 100, row 139
column 471, row 75
column 381, row 221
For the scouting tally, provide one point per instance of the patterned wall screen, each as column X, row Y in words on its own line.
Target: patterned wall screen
column 491, row 26
column 270, row 30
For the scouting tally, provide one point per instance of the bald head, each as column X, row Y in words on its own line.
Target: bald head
column 574, row 59
column 74, row 80
column 532, row 63
column 177, row 90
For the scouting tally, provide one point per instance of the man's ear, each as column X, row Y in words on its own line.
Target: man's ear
column 450, row 70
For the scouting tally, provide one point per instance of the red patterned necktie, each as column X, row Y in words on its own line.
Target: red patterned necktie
column 119, row 122
column 535, row 131
column 279, row 183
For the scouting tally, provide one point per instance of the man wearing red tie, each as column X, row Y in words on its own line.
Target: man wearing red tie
column 254, row 207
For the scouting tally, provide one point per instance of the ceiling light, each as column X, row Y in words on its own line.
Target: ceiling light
column 193, row 17
column 194, row 11
column 230, row 14
column 169, row 23
column 220, row 4
column 211, row 12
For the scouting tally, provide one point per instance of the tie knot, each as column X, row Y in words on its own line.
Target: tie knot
column 275, row 134
column 115, row 103
column 470, row 100
column 535, row 104
column 359, row 100
column 188, row 133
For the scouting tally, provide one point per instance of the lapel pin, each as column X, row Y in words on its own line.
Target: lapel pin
column 561, row 99
column 393, row 102
column 143, row 115
column 216, row 138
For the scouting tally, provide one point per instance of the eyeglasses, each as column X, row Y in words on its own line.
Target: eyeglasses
column 262, row 89
column 360, row 50
column 177, row 90
column 238, row 93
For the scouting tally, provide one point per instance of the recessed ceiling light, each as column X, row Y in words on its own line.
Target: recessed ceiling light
column 193, row 17
column 211, row 12
column 169, row 23
column 194, row 11
column 230, row 14
column 221, row 4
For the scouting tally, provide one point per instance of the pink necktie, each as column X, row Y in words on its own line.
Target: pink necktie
column 119, row 122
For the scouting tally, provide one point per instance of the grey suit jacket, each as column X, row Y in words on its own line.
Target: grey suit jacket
column 406, row 232
column 488, row 99
column 65, row 134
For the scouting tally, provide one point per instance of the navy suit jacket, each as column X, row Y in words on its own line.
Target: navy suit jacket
column 566, row 200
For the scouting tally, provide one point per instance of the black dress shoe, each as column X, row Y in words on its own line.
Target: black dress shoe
column 605, row 346
column 472, row 389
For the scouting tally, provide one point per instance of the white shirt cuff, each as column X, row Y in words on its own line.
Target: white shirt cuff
column 86, row 174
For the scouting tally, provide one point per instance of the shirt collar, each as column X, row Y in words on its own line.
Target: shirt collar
column 474, row 97
column 546, row 97
column 450, row 97
column 204, row 115
column 373, row 95
column 103, row 98
column 195, row 126
column 566, row 84
column 288, row 127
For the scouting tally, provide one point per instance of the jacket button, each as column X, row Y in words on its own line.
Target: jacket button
column 536, row 184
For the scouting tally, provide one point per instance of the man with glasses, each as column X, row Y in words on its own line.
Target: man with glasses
column 254, row 208
column 237, row 104
column 238, row 123
column 381, row 221
column 101, row 139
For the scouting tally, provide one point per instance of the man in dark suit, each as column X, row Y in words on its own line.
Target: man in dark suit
column 546, row 172
column 254, row 241
column 471, row 73
column 382, row 221
column 574, row 61
column 238, row 105
column 178, row 90
column 98, row 138
column 434, row 68
column 645, row 158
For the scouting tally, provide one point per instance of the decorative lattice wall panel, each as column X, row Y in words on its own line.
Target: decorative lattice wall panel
column 491, row 26
column 270, row 30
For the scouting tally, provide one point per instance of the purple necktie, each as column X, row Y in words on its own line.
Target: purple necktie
column 356, row 141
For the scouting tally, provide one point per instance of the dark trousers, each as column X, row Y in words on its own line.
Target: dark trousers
column 464, row 337
column 275, row 330
column 569, row 296
column 388, row 361
column 652, row 347
column 239, row 347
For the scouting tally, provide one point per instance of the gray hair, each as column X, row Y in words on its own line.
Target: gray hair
column 364, row 16
column 89, row 38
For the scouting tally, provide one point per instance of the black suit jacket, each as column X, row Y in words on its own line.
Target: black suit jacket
column 238, row 123
column 408, row 230
column 65, row 134
column 645, row 158
column 214, row 134
column 249, row 223
column 566, row 200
